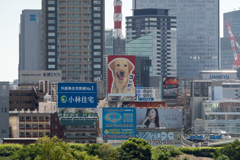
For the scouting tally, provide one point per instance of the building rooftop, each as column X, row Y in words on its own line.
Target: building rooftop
column 219, row 71
column 78, row 118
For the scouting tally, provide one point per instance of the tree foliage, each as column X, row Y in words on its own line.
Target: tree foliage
column 135, row 149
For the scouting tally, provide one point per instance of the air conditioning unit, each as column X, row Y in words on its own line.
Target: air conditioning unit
column 44, row 86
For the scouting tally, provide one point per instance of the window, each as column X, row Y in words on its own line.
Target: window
column 153, row 19
column 51, row 46
column 97, row 47
column 40, row 126
column 21, row 133
column 28, row 118
column 97, row 21
column 51, row 59
column 51, row 27
column 35, row 133
column 51, row 40
column 97, row 53
column 97, row 40
column 96, row 9
column 97, row 34
column 97, row 59
column 129, row 20
column 96, row 2
column 56, row 127
column 51, row 2
column 51, row 21
column 51, row 8
column 97, row 27
column 51, row 53
column 5, row 110
column 51, row 66
column 97, row 72
column 28, row 133
column 97, row 15
column 4, row 87
column 2, row 110
column 51, row 34
column 51, row 14
column 4, row 131
column 97, row 66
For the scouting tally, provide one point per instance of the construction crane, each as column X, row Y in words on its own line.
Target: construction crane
column 233, row 42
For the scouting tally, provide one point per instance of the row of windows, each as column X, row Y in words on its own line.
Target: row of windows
column 52, row 34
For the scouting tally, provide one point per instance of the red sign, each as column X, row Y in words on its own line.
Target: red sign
column 117, row 25
column 147, row 104
column 121, row 75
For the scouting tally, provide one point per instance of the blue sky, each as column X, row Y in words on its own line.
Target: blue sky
column 9, row 29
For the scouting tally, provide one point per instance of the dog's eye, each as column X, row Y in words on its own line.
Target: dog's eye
column 125, row 65
column 118, row 65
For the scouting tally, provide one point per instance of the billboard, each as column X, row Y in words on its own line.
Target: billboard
column 160, row 138
column 159, row 118
column 121, row 75
column 34, row 76
column 118, row 133
column 119, row 117
column 170, row 87
column 77, row 95
column 147, row 104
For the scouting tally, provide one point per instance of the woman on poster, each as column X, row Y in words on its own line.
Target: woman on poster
column 152, row 119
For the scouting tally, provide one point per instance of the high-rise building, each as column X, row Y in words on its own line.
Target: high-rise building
column 73, row 38
column 108, row 41
column 30, row 40
column 4, row 109
column 226, row 55
column 197, row 32
column 119, row 46
column 152, row 33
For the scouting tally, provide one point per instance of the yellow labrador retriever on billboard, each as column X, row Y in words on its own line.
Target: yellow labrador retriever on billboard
column 122, row 75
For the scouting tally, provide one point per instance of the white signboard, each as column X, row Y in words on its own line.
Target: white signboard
column 160, row 138
column 35, row 76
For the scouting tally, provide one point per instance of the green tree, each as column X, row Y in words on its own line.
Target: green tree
column 232, row 150
column 107, row 152
column 135, row 149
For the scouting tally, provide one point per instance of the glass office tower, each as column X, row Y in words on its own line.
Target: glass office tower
column 227, row 58
column 197, row 32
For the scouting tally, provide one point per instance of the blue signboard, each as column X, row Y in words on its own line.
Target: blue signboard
column 192, row 137
column 77, row 95
column 218, row 136
column 145, row 99
column 139, row 91
column 212, row 137
column 200, row 137
column 118, row 133
column 119, row 117
column 32, row 17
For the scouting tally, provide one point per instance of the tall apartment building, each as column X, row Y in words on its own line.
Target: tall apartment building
column 73, row 38
column 226, row 56
column 108, row 42
column 152, row 33
column 4, row 109
column 197, row 33
column 30, row 40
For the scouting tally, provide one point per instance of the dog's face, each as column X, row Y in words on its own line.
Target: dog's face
column 121, row 68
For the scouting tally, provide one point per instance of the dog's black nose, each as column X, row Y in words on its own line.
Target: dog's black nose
column 122, row 73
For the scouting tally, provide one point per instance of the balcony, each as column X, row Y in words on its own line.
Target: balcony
column 61, row 22
column 87, row 3
column 70, row 16
column 87, row 10
column 74, row 74
column 74, row 67
column 59, row 61
column 74, row 10
column 81, row 129
column 74, row 22
column 82, row 137
column 74, row 61
column 75, row 48
column 61, row 10
column 74, row 3
column 73, row 29
column 87, row 16
column 74, row 55
column 74, row 42
column 74, row 35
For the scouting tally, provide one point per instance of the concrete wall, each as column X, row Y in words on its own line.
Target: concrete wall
column 4, row 109
column 14, row 124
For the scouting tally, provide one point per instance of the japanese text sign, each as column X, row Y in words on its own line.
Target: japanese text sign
column 77, row 95
column 119, row 134
column 119, row 117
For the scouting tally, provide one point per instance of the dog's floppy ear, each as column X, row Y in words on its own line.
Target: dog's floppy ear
column 130, row 68
column 111, row 65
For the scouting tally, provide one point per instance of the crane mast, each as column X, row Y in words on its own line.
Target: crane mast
column 233, row 42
